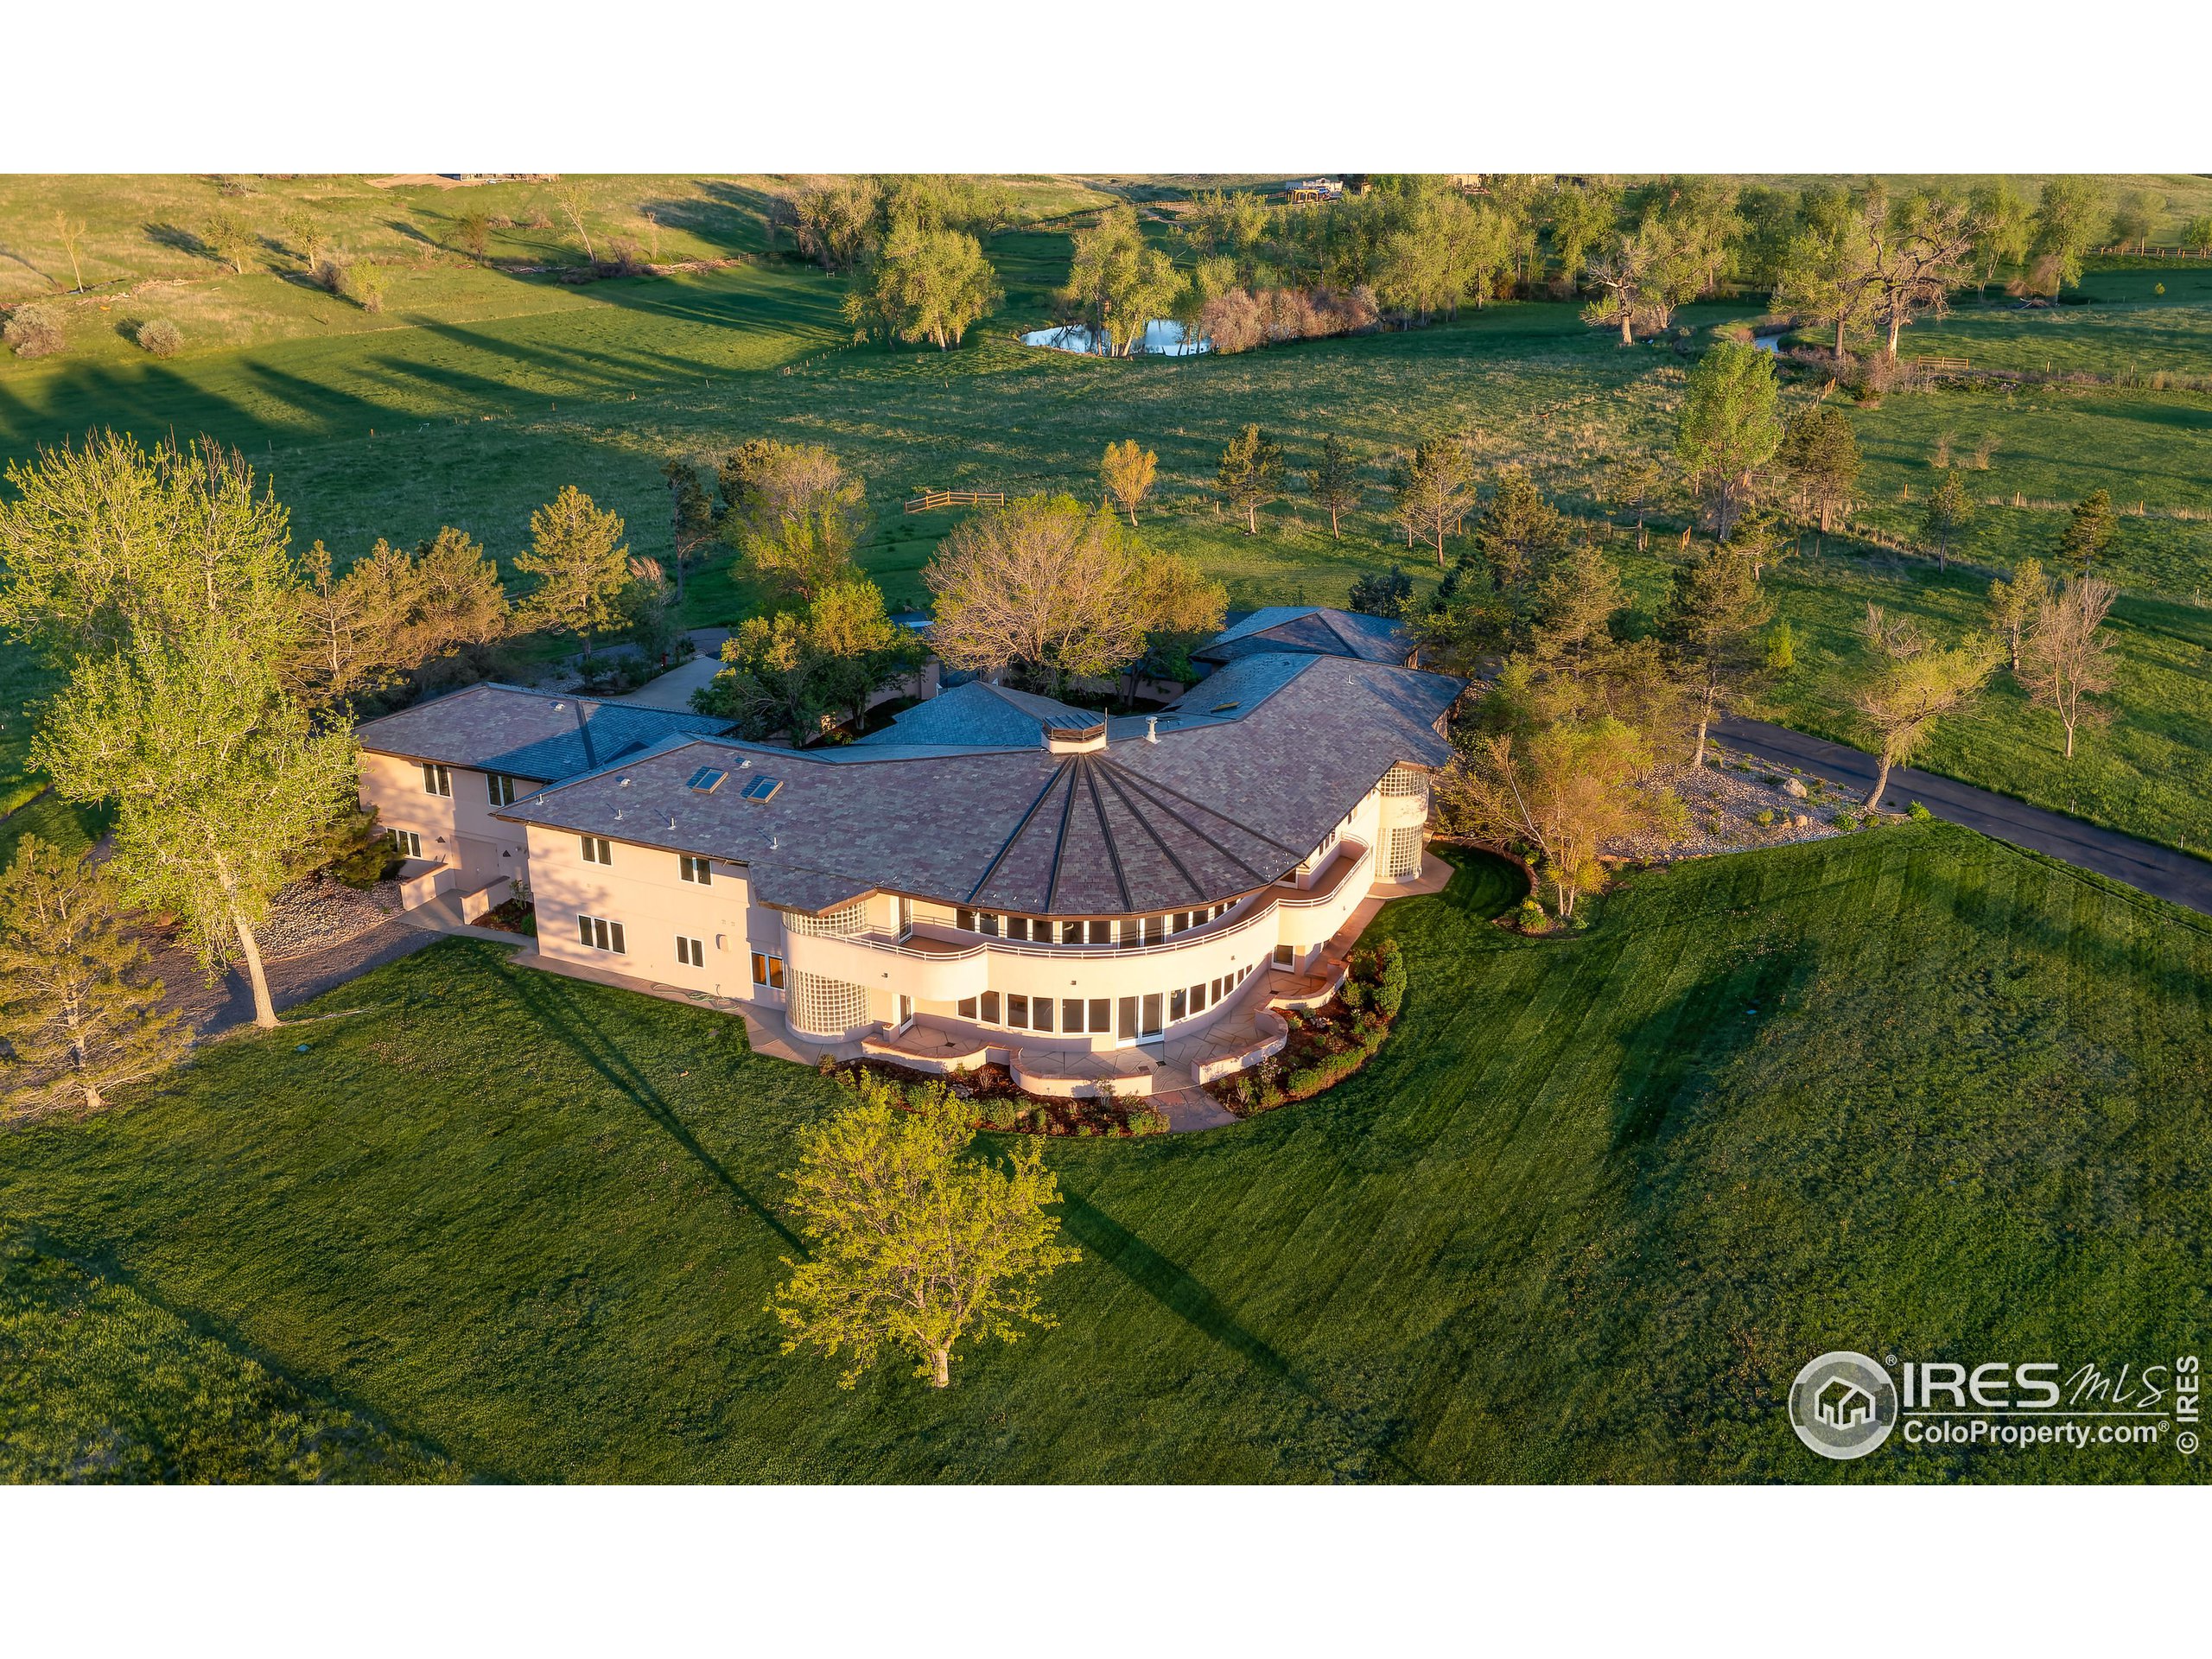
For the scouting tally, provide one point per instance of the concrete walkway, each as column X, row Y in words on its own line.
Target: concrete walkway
column 2160, row 871
column 673, row 689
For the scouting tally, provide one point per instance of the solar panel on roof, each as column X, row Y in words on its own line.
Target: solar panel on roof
column 705, row 780
column 761, row 788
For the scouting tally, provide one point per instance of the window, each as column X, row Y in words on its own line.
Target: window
column 596, row 851
column 1177, row 1002
column 1017, row 927
column 1128, row 1017
column 768, row 970
column 905, row 917
column 967, row 1007
column 600, row 934
column 1155, row 929
column 1182, row 920
column 1017, row 1012
column 706, row 781
column 692, row 953
column 990, row 1007
column 905, row 1009
column 964, row 920
column 1284, row 956
column 499, row 789
column 1071, row 933
column 701, row 870
column 1217, row 992
column 1041, row 1013
column 409, row 843
column 1148, row 1026
column 763, row 789
column 436, row 780
column 1101, row 932
column 988, row 924
column 1102, row 1015
column 1070, row 1014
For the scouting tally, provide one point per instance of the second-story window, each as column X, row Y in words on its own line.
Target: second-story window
column 699, row 870
column 596, row 851
column 436, row 780
column 500, row 788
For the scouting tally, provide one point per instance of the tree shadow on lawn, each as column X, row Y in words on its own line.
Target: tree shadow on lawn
column 1174, row 1289
column 560, row 1009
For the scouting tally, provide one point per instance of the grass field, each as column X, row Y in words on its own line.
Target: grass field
column 1909, row 1092
column 479, row 393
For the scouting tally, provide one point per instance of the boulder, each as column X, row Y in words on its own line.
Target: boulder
column 1794, row 788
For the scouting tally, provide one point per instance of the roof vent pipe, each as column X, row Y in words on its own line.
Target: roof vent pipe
column 1152, row 729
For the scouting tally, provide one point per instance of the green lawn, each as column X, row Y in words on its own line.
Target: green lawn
column 1595, row 1203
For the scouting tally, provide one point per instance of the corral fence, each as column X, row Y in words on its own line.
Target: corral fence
column 929, row 501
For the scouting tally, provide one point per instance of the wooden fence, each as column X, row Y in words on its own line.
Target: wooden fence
column 929, row 501
column 1941, row 365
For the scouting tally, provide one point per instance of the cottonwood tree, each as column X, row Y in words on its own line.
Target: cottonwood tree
column 1046, row 587
column 1565, row 789
column 793, row 514
column 2089, row 530
column 1913, row 683
column 109, row 540
column 1581, row 214
column 581, row 561
column 1712, row 623
column 787, row 670
column 2014, row 605
column 1435, row 491
column 2004, row 229
column 923, row 285
column 863, row 649
column 217, row 776
column 1127, row 470
column 1729, row 430
column 1820, row 452
column 914, row 1246
column 1250, row 474
column 574, row 201
column 1827, row 274
column 2066, row 660
column 1920, row 252
column 1117, row 283
column 229, row 237
column 1334, row 482
column 78, row 1015
column 1949, row 511
column 2070, row 220
column 1640, row 276
column 2136, row 217
column 310, row 237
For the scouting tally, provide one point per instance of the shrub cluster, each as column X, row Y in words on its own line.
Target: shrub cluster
column 34, row 331
column 1327, row 1049
column 161, row 337
column 1243, row 320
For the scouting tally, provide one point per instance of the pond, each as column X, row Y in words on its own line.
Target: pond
column 1162, row 338
column 1769, row 342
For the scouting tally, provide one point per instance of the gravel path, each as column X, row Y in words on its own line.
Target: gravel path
column 1725, row 797
column 227, row 1003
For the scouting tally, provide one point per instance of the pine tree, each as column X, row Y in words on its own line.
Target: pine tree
column 578, row 556
column 1949, row 511
column 1335, row 482
column 78, row 1014
column 2090, row 531
column 1250, row 474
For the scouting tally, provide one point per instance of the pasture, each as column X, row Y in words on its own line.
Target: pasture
column 1582, row 1219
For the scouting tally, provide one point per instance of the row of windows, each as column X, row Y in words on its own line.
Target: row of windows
column 1128, row 931
column 498, row 788
column 600, row 934
column 700, row 872
column 408, row 843
column 1134, row 1017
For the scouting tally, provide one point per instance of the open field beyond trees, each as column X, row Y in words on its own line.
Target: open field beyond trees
column 1583, row 1219
column 482, row 388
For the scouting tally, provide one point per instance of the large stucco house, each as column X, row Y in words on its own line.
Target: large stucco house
column 994, row 875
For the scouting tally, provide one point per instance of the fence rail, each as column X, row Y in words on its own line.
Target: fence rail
column 929, row 501
column 1942, row 365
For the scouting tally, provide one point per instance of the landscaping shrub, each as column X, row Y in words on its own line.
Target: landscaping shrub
column 1531, row 916
column 1918, row 813
column 363, row 284
column 1765, row 818
column 1843, row 820
column 34, row 331
column 161, row 337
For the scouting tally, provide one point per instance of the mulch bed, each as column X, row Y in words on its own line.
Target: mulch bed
column 1018, row 1111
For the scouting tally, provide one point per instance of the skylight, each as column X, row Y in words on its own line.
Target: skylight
column 761, row 788
column 706, row 781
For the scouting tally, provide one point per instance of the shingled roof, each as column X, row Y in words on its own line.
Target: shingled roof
column 1224, row 801
column 493, row 727
column 1310, row 628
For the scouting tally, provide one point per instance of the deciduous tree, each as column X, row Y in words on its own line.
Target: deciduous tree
column 70, row 233
column 1127, row 470
column 79, row 1014
column 1640, row 276
column 2066, row 660
column 1911, row 685
column 217, row 776
column 923, row 285
column 914, row 1245
column 2014, row 604
column 1827, row 274
column 1117, row 283
column 1920, row 247
column 2004, row 228
column 2070, row 220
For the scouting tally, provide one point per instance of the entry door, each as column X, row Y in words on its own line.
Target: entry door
column 480, row 863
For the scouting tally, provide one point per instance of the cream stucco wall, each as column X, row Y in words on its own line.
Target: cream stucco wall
column 457, row 829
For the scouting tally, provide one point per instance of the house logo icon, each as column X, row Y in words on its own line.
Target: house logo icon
column 1843, row 1405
